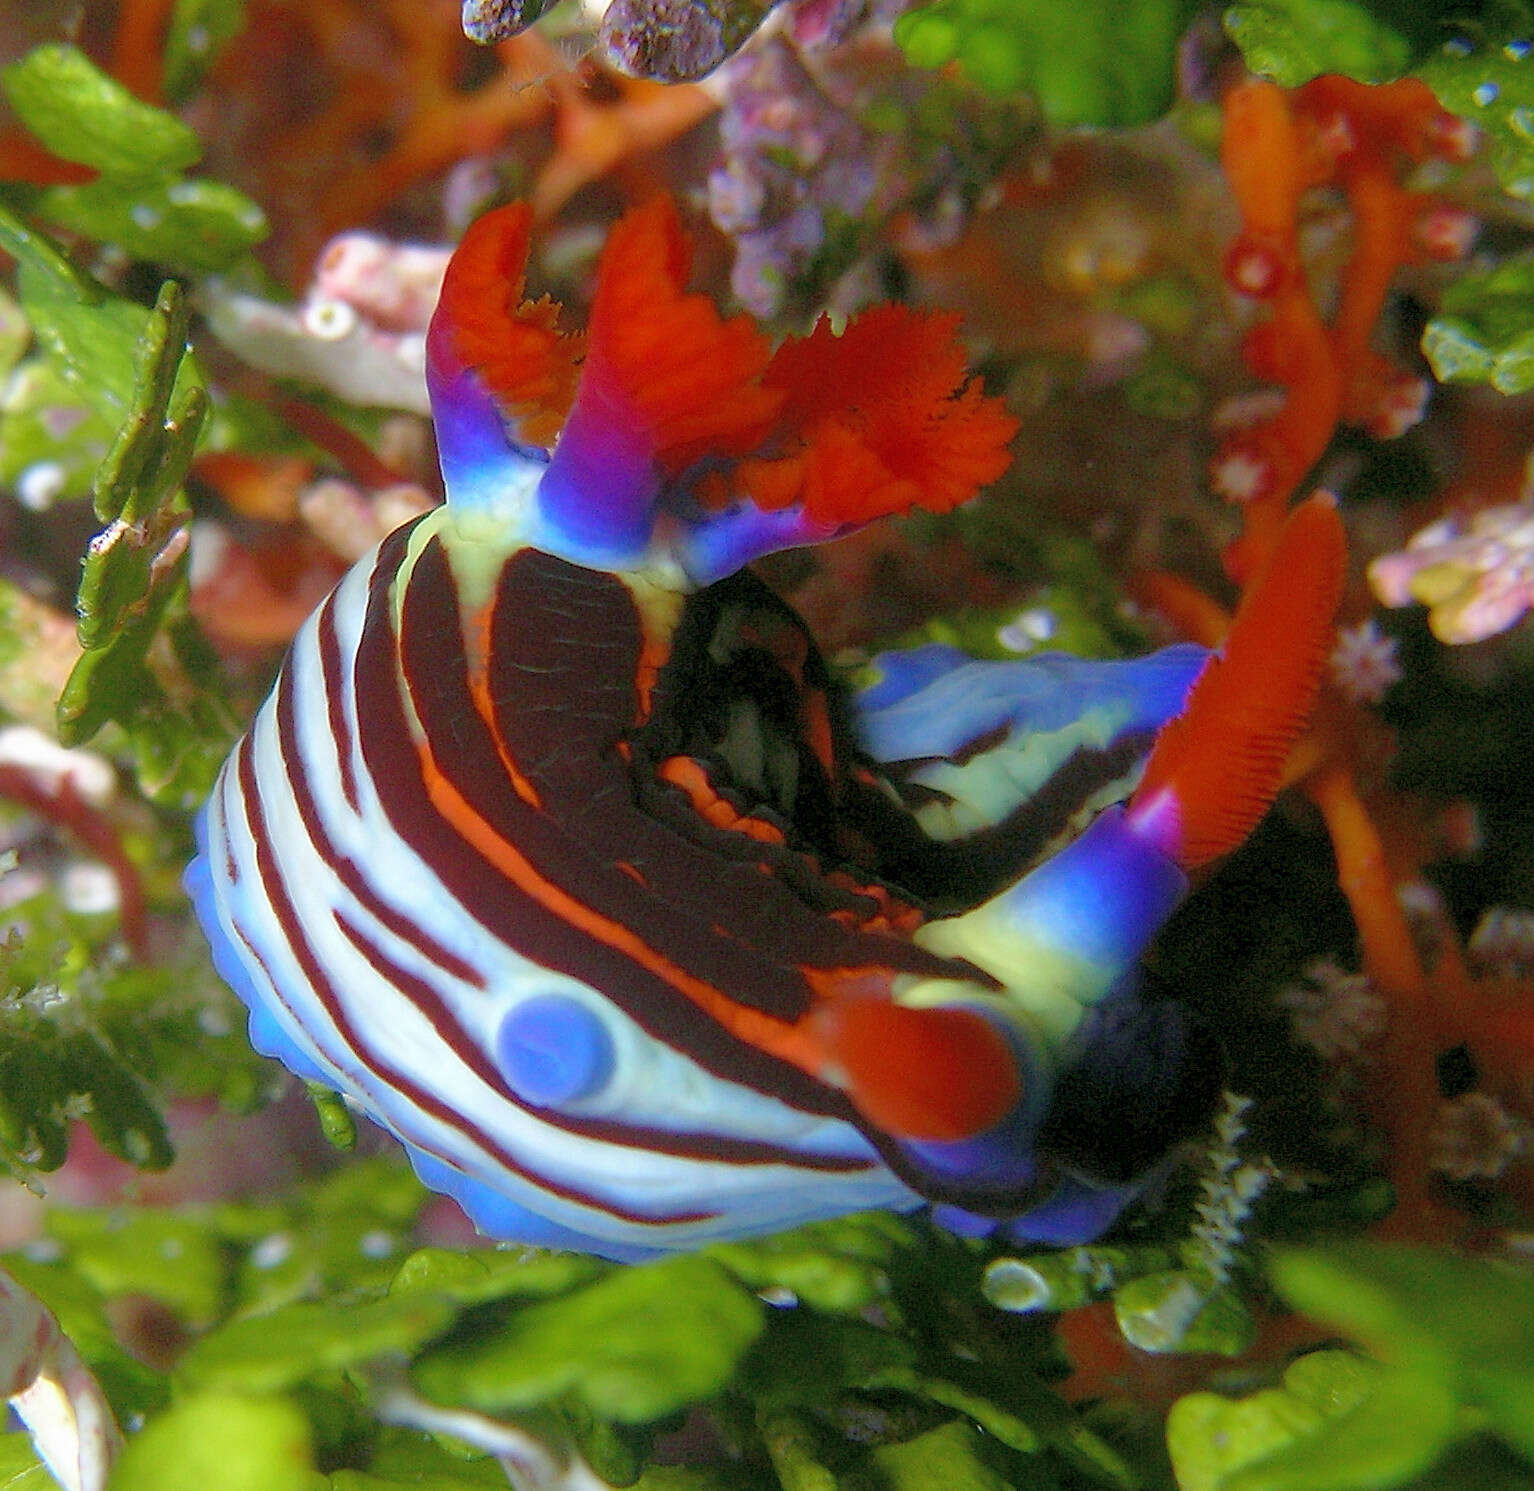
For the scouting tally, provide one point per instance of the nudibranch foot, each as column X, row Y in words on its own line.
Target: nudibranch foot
column 560, row 853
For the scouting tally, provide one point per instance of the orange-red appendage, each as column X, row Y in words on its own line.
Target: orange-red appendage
column 515, row 346
column 691, row 377
column 879, row 419
column 1221, row 761
column 924, row 1074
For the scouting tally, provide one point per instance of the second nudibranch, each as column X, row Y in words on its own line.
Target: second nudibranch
column 558, row 852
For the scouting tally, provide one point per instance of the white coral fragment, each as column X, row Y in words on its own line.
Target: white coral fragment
column 360, row 330
column 53, row 1393
column 393, row 285
column 364, row 365
column 88, row 775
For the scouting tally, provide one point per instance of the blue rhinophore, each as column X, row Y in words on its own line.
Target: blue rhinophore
column 596, row 502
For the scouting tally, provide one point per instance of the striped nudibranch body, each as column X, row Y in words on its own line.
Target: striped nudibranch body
column 557, row 851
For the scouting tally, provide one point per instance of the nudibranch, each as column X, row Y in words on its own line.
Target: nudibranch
column 558, row 851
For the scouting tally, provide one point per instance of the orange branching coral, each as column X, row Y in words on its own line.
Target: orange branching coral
column 1435, row 1003
column 386, row 97
column 138, row 47
column 395, row 109
column 1276, row 147
column 1268, row 168
column 606, row 129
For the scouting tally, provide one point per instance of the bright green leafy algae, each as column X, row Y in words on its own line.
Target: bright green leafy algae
column 1385, row 1430
column 83, row 115
column 1293, row 41
column 269, row 1352
column 188, row 226
column 1488, row 79
column 141, row 202
column 1451, row 1345
column 1093, row 63
column 133, row 588
column 1211, row 1438
column 90, row 333
column 342, row 1235
column 51, row 1075
column 1069, row 1278
column 1373, row 41
column 82, row 1033
column 581, row 1355
column 633, row 1346
column 14, row 333
column 954, row 1456
column 480, row 1277
column 51, row 439
column 839, row 1266
column 403, row 1459
column 227, row 1440
column 163, row 1255
column 1460, row 1327
column 20, row 1469
column 1484, row 330
column 1177, row 1311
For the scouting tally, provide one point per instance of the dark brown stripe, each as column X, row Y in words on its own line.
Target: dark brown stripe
column 330, row 665
column 676, row 926
column 563, row 658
